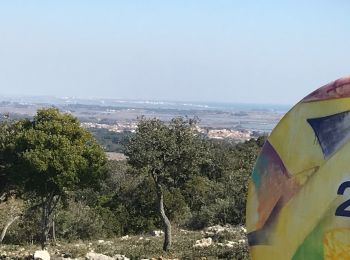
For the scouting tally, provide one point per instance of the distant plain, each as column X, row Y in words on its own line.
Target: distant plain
column 254, row 117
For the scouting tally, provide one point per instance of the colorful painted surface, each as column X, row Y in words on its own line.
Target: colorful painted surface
column 299, row 194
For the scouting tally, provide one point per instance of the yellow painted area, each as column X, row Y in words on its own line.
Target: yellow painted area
column 337, row 244
column 295, row 142
column 304, row 211
column 264, row 252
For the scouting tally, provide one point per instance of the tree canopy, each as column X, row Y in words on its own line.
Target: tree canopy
column 170, row 153
column 51, row 155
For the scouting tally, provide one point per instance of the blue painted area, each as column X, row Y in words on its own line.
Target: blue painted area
column 259, row 169
column 332, row 131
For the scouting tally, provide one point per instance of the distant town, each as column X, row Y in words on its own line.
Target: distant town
column 237, row 135
column 235, row 122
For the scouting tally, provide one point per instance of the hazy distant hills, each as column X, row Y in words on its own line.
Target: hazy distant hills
column 213, row 115
column 180, row 105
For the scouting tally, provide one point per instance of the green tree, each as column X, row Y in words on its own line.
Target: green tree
column 8, row 131
column 170, row 154
column 54, row 155
column 8, row 191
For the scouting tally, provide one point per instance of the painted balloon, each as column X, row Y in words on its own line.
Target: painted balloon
column 299, row 193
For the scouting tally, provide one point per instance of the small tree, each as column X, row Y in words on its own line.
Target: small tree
column 170, row 154
column 53, row 155
column 10, row 211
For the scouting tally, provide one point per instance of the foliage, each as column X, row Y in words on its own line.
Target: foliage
column 10, row 212
column 27, row 228
column 178, row 210
column 170, row 154
column 52, row 154
column 227, row 173
column 78, row 221
column 214, row 194
column 8, row 132
column 111, row 141
column 202, row 182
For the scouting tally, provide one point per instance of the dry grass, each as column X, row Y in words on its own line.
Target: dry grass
column 136, row 247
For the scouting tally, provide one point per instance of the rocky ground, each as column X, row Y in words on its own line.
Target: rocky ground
column 217, row 242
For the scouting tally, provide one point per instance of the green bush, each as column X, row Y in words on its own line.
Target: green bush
column 79, row 221
column 178, row 210
column 26, row 229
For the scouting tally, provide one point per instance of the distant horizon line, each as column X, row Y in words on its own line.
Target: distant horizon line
column 140, row 100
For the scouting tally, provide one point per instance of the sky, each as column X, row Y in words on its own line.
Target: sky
column 182, row 50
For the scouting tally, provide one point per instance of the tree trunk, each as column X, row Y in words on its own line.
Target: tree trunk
column 166, row 222
column 48, row 206
column 53, row 231
column 8, row 224
column 45, row 226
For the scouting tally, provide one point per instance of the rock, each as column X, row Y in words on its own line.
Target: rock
column 67, row 258
column 242, row 241
column 184, row 231
column 95, row 256
column 120, row 257
column 42, row 255
column 101, row 241
column 157, row 233
column 231, row 244
column 65, row 255
column 214, row 231
column 219, row 233
column 204, row 242
column 125, row 237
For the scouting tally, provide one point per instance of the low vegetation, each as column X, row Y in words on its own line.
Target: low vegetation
column 138, row 247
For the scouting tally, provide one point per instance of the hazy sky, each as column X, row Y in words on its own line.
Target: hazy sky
column 204, row 50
